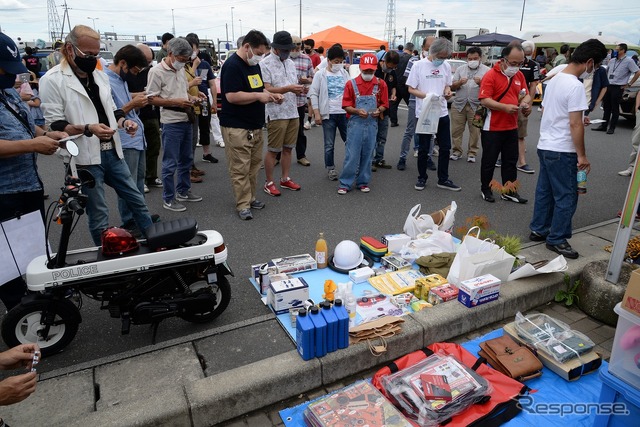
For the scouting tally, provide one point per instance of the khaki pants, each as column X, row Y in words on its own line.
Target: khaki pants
column 635, row 142
column 243, row 160
column 458, row 120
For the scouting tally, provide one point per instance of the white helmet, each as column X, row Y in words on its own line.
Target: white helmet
column 347, row 255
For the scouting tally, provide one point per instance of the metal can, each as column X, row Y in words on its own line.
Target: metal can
column 418, row 290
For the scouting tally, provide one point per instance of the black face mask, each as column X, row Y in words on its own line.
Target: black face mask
column 7, row 81
column 307, row 50
column 86, row 64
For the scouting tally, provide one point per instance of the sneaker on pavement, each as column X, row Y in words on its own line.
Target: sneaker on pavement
column 525, row 169
column 257, row 204
column 448, row 185
column 374, row 168
column 220, row 143
column 195, row 179
column 382, row 164
column 420, row 184
column 487, row 196
column 146, row 189
column 245, row 214
column 155, row 218
column 188, row 197
column 333, row 175
column 288, row 183
column 537, row 237
column 173, row 205
column 431, row 165
column 436, row 151
column 415, row 153
column 304, row 161
column 402, row 165
column 270, row 189
column 307, row 125
column 563, row 249
column 209, row 158
column 499, row 163
column 513, row 197
column 471, row 159
column 454, row 157
column 626, row 172
column 156, row 183
column 343, row 190
column 364, row 188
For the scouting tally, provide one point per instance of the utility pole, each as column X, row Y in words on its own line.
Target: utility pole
column 233, row 36
column 524, row 2
column 300, row 35
column 275, row 16
column 390, row 22
column 173, row 18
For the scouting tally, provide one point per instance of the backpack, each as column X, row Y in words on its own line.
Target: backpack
column 500, row 408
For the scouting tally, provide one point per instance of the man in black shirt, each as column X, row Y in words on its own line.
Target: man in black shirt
column 30, row 61
column 386, row 71
column 531, row 71
column 242, row 119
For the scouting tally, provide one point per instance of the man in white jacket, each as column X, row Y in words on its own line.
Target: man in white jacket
column 326, row 98
column 76, row 99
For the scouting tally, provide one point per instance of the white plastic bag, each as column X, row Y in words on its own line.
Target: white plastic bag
column 558, row 264
column 429, row 243
column 416, row 224
column 429, row 115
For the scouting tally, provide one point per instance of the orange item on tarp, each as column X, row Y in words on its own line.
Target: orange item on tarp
column 503, row 404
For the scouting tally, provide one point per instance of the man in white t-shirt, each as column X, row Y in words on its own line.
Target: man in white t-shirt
column 432, row 76
column 561, row 150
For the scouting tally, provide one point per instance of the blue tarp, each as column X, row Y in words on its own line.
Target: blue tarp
column 551, row 389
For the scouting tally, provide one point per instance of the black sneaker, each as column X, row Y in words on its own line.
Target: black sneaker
column 402, row 165
column 382, row 164
column 564, row 249
column 513, row 197
column 431, row 166
column 449, row 185
column 209, row 158
column 487, row 196
column 257, row 204
column 420, row 184
column 537, row 237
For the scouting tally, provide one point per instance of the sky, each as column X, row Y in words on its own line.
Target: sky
column 212, row 19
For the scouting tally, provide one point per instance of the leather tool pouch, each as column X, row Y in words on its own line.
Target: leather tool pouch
column 513, row 360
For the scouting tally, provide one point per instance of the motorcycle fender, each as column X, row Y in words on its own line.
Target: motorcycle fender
column 34, row 298
column 214, row 271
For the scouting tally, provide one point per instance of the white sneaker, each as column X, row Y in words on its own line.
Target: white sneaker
column 307, row 125
column 436, row 151
column 471, row 159
column 626, row 172
column 146, row 189
column 454, row 157
column 220, row 143
column 415, row 153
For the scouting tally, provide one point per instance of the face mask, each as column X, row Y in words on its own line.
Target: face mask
column 86, row 64
column 528, row 57
column 473, row 64
column 336, row 67
column 178, row 65
column 511, row 71
column 384, row 69
column 123, row 75
column 307, row 51
column 424, row 54
column 586, row 74
column 294, row 54
column 437, row 62
column 193, row 56
column 255, row 59
column 284, row 55
column 367, row 77
column 7, row 81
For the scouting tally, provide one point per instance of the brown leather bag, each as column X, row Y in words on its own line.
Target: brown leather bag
column 513, row 360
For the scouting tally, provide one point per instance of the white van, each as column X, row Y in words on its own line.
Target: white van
column 455, row 35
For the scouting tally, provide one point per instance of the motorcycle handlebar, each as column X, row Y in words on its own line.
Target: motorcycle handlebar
column 75, row 206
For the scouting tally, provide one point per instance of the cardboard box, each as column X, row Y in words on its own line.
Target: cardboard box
column 479, row 290
column 395, row 263
column 571, row 370
column 285, row 294
column 395, row 242
column 294, row 264
column 432, row 281
column 360, row 275
column 631, row 300
column 442, row 293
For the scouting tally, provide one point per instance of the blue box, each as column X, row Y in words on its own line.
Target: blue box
column 620, row 393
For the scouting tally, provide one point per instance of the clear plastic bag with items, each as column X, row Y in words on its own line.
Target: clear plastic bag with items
column 463, row 388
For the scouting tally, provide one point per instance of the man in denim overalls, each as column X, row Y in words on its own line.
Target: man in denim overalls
column 365, row 100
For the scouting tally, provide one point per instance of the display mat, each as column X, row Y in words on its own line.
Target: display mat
column 550, row 389
column 315, row 279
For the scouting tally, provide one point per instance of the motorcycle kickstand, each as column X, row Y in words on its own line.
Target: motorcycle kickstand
column 154, row 332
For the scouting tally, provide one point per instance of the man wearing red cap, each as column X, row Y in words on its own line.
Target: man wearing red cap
column 364, row 99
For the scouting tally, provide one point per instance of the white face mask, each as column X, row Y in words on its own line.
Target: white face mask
column 255, row 59
column 473, row 64
column 193, row 56
column 335, row 68
column 367, row 77
column 178, row 65
column 587, row 74
column 294, row 54
column 511, row 71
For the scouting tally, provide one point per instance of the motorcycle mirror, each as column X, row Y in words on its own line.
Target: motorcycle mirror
column 86, row 178
column 69, row 145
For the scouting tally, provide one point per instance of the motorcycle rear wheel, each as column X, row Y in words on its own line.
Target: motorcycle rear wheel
column 223, row 297
column 22, row 323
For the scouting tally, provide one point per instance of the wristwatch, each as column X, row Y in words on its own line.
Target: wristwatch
column 87, row 132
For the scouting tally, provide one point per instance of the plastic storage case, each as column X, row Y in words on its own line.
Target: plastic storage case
column 625, row 355
column 619, row 393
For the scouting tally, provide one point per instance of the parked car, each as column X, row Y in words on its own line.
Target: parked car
column 628, row 103
column 42, row 54
column 107, row 56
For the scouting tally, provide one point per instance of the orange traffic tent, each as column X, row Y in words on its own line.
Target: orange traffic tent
column 347, row 38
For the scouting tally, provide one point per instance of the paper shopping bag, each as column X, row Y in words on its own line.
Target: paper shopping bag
column 496, row 262
column 471, row 245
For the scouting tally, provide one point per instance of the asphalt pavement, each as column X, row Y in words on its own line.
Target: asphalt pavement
column 290, row 225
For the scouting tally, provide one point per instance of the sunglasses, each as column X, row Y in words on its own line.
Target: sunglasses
column 84, row 55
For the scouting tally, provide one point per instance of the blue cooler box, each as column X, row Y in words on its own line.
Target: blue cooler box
column 619, row 392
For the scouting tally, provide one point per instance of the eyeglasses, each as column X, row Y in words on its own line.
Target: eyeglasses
column 513, row 64
column 84, row 55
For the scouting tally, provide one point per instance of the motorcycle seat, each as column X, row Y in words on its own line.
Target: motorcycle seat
column 171, row 233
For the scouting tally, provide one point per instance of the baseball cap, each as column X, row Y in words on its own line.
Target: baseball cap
column 283, row 40
column 368, row 61
column 10, row 60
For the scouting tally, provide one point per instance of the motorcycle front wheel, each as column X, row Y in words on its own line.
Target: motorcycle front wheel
column 22, row 325
column 222, row 295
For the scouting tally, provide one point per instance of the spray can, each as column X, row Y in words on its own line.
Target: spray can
column 582, row 182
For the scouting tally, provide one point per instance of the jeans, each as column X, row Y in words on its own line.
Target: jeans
column 329, row 126
column 361, row 140
column 114, row 172
column 444, row 141
column 381, row 139
column 152, row 135
column 556, row 196
column 499, row 143
column 177, row 156
column 135, row 160
column 410, row 132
